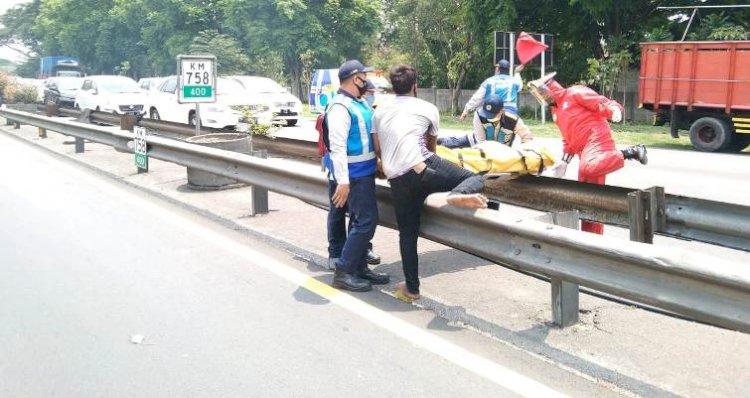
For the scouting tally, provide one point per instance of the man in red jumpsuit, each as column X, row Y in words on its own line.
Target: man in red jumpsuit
column 581, row 115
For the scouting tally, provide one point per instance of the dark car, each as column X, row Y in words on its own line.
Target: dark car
column 62, row 91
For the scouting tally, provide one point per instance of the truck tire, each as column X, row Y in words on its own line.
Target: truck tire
column 709, row 134
column 740, row 141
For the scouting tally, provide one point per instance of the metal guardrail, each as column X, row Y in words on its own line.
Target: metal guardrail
column 705, row 288
column 718, row 223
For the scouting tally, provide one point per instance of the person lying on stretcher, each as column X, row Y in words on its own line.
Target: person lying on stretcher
column 493, row 124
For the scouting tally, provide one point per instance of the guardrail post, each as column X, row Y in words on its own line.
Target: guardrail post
column 79, row 145
column 658, row 209
column 640, row 208
column 564, row 294
column 259, row 196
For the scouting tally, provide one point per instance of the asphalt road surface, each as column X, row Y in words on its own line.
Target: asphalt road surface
column 108, row 292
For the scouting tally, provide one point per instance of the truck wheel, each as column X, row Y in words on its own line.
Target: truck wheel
column 710, row 134
column 740, row 141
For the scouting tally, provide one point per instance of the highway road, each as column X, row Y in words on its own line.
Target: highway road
column 106, row 291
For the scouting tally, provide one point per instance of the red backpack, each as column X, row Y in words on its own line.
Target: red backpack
column 322, row 127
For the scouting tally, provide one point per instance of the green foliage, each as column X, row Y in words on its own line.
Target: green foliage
column 718, row 27
column 259, row 123
column 14, row 92
column 229, row 56
column 605, row 73
column 659, row 33
column 29, row 68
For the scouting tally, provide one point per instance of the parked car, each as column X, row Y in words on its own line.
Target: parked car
column 150, row 83
column 62, row 91
column 227, row 112
column 115, row 94
column 267, row 93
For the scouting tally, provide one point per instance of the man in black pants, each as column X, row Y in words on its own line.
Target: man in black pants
column 405, row 135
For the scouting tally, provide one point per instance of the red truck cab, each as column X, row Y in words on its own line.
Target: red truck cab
column 702, row 87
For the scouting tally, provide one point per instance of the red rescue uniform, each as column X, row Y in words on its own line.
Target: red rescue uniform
column 581, row 115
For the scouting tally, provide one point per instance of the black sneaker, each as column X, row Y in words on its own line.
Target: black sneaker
column 637, row 152
column 351, row 282
column 372, row 258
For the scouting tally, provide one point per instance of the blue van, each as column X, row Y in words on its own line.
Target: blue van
column 323, row 86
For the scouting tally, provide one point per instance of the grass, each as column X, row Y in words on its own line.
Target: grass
column 625, row 134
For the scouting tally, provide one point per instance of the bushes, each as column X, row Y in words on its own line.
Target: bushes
column 15, row 92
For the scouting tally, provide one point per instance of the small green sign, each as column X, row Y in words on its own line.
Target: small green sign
column 141, row 161
column 197, row 91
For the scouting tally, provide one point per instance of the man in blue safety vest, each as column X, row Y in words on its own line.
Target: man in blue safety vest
column 352, row 161
column 502, row 85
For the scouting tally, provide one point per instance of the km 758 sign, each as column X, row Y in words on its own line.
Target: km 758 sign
column 197, row 78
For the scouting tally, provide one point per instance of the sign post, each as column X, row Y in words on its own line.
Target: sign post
column 196, row 82
column 505, row 43
column 141, row 148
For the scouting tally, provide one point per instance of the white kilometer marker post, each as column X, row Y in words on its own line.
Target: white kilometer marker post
column 196, row 82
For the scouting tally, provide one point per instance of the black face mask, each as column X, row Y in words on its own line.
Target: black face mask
column 362, row 89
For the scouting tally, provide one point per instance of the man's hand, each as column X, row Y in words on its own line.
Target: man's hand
column 341, row 195
column 462, row 117
column 616, row 113
column 520, row 68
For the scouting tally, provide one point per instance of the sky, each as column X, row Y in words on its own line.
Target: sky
column 4, row 52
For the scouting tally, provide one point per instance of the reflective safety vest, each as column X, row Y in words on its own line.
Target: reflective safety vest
column 502, row 131
column 360, row 150
column 506, row 87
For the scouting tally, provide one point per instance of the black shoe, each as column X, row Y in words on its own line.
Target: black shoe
column 372, row 258
column 637, row 152
column 376, row 278
column 346, row 281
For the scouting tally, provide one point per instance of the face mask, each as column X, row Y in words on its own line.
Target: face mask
column 362, row 89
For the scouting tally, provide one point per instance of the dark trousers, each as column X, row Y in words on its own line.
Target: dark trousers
column 409, row 192
column 363, row 218
column 337, row 228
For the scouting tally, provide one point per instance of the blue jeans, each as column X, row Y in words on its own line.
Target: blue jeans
column 455, row 142
column 352, row 248
column 337, row 228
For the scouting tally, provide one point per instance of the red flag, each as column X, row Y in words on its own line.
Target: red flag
column 528, row 48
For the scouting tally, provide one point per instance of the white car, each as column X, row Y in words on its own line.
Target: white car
column 150, row 83
column 269, row 95
column 227, row 112
column 114, row 94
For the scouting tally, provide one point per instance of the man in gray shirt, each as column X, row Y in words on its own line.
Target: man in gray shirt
column 405, row 135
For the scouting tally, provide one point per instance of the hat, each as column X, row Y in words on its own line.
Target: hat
column 491, row 107
column 503, row 64
column 351, row 68
column 370, row 86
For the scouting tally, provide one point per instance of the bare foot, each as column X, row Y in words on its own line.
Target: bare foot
column 472, row 201
column 402, row 293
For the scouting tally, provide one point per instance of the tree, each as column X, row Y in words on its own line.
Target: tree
column 18, row 28
column 333, row 29
column 229, row 57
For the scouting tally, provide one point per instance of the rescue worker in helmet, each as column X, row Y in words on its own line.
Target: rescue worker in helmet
column 496, row 125
column 581, row 116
